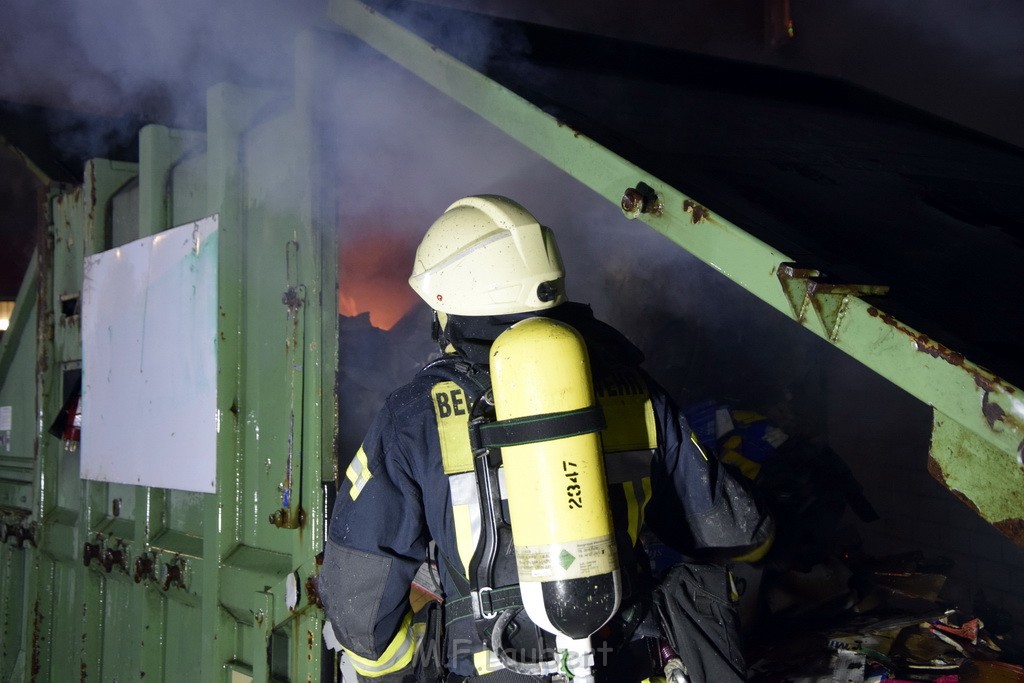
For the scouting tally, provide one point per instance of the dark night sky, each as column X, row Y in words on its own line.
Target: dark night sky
column 152, row 61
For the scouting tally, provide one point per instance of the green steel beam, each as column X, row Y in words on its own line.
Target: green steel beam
column 985, row 406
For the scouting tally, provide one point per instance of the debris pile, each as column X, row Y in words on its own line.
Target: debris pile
column 822, row 610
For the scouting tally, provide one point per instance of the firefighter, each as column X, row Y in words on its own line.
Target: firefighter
column 427, row 486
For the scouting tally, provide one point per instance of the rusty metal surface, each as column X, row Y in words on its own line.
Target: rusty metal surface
column 978, row 475
column 641, row 199
column 804, row 289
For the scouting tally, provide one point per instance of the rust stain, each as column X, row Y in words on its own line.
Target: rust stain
column 1012, row 529
column 313, row 592
column 291, row 299
column 993, row 411
column 935, row 469
column 697, row 212
column 575, row 131
column 83, row 674
column 985, row 380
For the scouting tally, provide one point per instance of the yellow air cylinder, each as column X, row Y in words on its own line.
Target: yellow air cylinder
column 557, row 491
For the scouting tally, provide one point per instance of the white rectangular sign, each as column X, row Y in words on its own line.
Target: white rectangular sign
column 149, row 361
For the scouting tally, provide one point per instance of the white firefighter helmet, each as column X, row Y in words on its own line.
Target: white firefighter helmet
column 487, row 255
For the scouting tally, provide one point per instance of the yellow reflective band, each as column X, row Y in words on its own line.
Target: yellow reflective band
column 628, row 413
column 358, row 473
column 396, row 657
column 452, row 414
column 693, row 438
column 486, row 662
column 638, row 494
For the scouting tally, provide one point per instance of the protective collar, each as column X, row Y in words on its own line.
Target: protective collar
column 472, row 336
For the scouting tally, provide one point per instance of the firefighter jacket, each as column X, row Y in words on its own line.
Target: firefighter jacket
column 412, row 482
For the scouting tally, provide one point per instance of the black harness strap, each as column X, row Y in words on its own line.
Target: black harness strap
column 536, row 428
column 490, row 602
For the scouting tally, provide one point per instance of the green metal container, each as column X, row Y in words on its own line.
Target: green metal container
column 108, row 580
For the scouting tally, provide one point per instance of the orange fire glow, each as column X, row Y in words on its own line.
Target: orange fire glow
column 373, row 272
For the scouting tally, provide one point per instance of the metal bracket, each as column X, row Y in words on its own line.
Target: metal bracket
column 829, row 300
column 478, row 603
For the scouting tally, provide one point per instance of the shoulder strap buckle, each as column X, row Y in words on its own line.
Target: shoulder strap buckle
column 483, row 608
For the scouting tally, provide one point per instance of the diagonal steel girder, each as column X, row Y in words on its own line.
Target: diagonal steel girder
column 978, row 427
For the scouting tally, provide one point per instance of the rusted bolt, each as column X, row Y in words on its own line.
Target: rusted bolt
column 115, row 557
column 640, row 199
column 632, row 201
column 696, row 211
column 279, row 518
column 90, row 552
column 144, row 568
column 173, row 574
column 19, row 533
